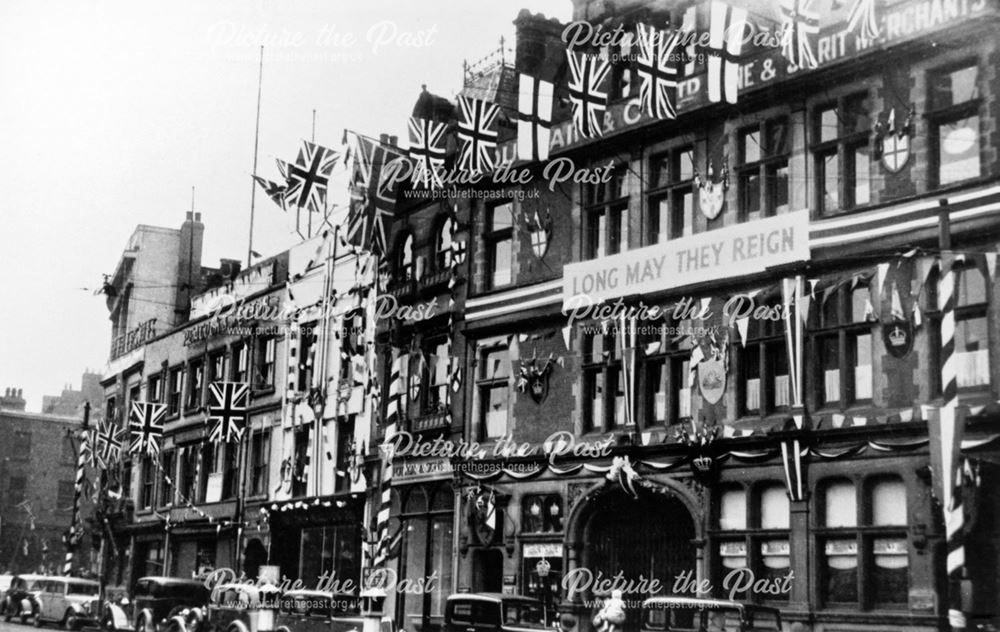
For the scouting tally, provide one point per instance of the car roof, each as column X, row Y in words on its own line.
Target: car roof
column 705, row 603
column 171, row 581
column 485, row 596
column 73, row 580
column 31, row 576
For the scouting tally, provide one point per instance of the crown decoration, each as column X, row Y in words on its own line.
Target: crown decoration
column 897, row 337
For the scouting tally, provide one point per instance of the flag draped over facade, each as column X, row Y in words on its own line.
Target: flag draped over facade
column 534, row 117
column 861, row 19
column 227, row 414
column 309, row 176
column 427, row 151
column 586, row 76
column 477, row 135
column 146, row 427
column 725, row 43
column 657, row 71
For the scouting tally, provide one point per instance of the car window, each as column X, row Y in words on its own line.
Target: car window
column 82, row 589
column 141, row 589
column 664, row 617
column 461, row 612
column 523, row 614
column 764, row 621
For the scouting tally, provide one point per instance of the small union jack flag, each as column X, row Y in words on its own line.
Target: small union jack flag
column 108, row 444
column 273, row 190
column 657, row 71
column 228, row 411
column 427, row 151
column 146, row 427
column 309, row 176
column 476, row 133
column 586, row 75
column 798, row 23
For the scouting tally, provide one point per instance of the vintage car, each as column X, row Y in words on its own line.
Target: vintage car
column 21, row 599
column 5, row 581
column 687, row 614
column 161, row 604
column 494, row 612
column 318, row 611
column 68, row 601
column 241, row 608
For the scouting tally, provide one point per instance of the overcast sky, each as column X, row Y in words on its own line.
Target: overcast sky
column 113, row 110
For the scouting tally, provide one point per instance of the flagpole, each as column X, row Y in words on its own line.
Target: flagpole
column 256, row 144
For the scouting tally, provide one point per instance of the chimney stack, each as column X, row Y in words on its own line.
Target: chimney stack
column 12, row 400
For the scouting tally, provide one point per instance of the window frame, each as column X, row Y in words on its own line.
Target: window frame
column 665, row 357
column 492, row 237
column 485, row 385
column 673, row 188
column 849, row 137
column 175, row 382
column 609, row 370
column 762, row 334
column 962, row 313
column 844, row 330
column 939, row 116
column 762, row 167
column 194, row 392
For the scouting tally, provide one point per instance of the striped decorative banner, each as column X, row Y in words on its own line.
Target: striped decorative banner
column 397, row 388
column 74, row 526
column 385, row 499
column 950, row 442
column 791, row 458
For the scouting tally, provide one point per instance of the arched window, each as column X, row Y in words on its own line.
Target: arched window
column 442, row 244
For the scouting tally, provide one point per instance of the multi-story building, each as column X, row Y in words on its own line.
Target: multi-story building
column 290, row 328
column 776, row 415
column 37, row 473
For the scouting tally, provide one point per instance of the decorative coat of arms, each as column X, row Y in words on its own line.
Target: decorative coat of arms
column 892, row 141
column 712, row 378
column 540, row 231
column 712, row 193
column 534, row 378
column 897, row 331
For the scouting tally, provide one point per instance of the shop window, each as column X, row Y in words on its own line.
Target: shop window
column 764, row 384
column 954, row 123
column 151, row 557
column 972, row 360
column 606, row 216
column 300, row 463
column 542, row 514
column 196, row 374
column 841, row 132
column 168, row 474
column 442, row 244
column 603, row 385
column 666, row 363
column 493, row 386
column 752, row 532
column 671, row 198
column 842, row 347
column 499, row 242
column 763, row 169
column 333, row 550
column 426, row 516
column 862, row 543
column 543, row 574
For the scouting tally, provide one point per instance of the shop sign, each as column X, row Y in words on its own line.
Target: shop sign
column 543, row 549
column 734, row 251
column 407, row 472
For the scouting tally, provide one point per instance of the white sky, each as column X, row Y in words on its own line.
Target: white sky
column 112, row 110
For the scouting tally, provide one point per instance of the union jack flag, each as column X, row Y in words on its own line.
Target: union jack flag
column 862, row 15
column 476, row 134
column 587, row 73
column 107, row 444
column 427, row 151
column 534, row 118
column 657, row 72
column 725, row 43
column 373, row 192
column 228, row 411
column 273, row 190
column 146, row 427
column 309, row 176
column 797, row 24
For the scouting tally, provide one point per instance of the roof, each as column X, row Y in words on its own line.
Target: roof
column 705, row 603
column 487, row 596
column 31, row 576
column 172, row 581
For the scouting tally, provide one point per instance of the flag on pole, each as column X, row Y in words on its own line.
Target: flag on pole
column 309, row 176
column 273, row 190
column 427, row 151
column 146, row 427
column 797, row 25
column 373, row 192
column 657, row 71
column 477, row 135
column 586, row 75
column 227, row 414
column 534, row 117
column 725, row 43
column 108, row 444
column 385, row 499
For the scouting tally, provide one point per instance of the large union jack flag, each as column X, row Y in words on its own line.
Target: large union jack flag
column 657, row 71
column 797, row 24
column 373, row 192
column 427, row 151
column 146, row 427
column 476, row 133
column 309, row 176
column 589, row 101
column 227, row 413
column 107, row 444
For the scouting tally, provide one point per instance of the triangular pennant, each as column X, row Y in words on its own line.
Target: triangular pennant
column 742, row 325
column 566, row 331
column 883, row 271
column 991, row 265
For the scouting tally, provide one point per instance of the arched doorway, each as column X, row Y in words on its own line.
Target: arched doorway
column 644, row 538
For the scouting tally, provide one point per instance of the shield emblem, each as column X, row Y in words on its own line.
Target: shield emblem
column 538, row 386
column 895, row 152
column 540, row 233
column 711, row 194
column 414, row 386
column 897, row 335
column 712, row 379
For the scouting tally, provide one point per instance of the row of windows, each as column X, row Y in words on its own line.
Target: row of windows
column 839, row 362
column 860, row 534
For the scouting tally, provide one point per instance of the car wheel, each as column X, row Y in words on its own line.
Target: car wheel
column 142, row 624
column 69, row 621
column 38, row 620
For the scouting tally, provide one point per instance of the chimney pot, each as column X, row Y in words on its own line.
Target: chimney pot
column 19, row 391
column 189, row 216
column 383, row 138
column 394, row 141
column 197, row 216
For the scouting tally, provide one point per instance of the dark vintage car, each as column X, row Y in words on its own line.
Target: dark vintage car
column 161, row 604
column 241, row 608
column 318, row 611
column 494, row 612
column 21, row 598
column 687, row 614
